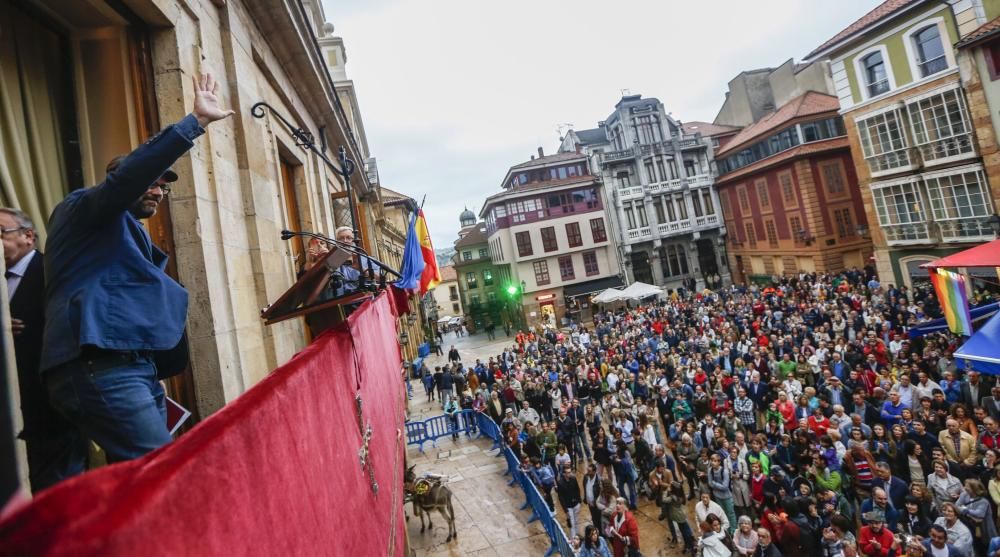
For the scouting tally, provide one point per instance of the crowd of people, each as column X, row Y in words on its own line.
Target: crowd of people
column 799, row 418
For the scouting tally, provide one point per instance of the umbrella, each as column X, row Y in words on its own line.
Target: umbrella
column 981, row 352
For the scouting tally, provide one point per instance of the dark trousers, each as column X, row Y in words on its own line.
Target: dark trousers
column 595, row 517
column 55, row 456
column 117, row 403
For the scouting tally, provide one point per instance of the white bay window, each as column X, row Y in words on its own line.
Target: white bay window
column 960, row 203
column 884, row 142
column 940, row 126
column 900, row 209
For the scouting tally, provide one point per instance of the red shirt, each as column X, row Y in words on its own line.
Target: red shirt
column 819, row 426
column 866, row 537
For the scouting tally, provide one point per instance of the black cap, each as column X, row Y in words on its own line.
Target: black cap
column 169, row 175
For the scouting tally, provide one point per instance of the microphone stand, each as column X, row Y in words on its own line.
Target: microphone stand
column 350, row 248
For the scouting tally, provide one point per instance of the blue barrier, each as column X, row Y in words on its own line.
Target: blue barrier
column 469, row 421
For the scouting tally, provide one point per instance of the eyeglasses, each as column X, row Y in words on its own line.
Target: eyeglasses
column 10, row 230
column 165, row 188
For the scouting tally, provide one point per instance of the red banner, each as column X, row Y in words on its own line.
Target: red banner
column 275, row 472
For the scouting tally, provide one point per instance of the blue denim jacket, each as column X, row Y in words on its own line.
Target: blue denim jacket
column 106, row 281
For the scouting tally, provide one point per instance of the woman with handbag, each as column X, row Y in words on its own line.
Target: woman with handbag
column 624, row 531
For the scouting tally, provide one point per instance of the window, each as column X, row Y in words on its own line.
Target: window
column 597, row 230
column 690, row 168
column 883, row 142
column 474, row 300
column 762, row 195
column 453, row 293
column 795, row 226
column 590, row 263
column 466, row 256
column 573, row 235
column 623, row 181
column 833, row 178
column 900, row 209
column 772, row 233
column 929, row 51
column 787, row 190
column 741, row 193
column 455, row 309
column 487, row 277
column 640, row 210
column 727, row 210
column 566, row 267
column 549, row 242
column 482, row 253
column 751, row 234
column 541, row 269
column 673, row 260
column 960, row 203
column 876, row 78
column 523, row 240
column 706, row 201
column 648, row 129
column 630, row 216
column 470, row 281
column 696, row 205
column 844, row 222
column 781, row 141
column 940, row 126
column 682, row 208
column 491, row 297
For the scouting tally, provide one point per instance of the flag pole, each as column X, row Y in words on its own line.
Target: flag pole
column 422, row 202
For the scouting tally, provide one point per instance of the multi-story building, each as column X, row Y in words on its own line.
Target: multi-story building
column 446, row 297
column 924, row 150
column 483, row 298
column 393, row 222
column 660, row 193
column 547, row 235
column 787, row 183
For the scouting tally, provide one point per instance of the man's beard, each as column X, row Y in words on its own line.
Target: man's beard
column 144, row 207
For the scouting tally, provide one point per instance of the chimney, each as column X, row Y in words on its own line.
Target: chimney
column 579, row 147
column 532, row 157
column 541, row 153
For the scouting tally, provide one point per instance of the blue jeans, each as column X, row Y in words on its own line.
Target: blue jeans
column 121, row 408
column 580, row 445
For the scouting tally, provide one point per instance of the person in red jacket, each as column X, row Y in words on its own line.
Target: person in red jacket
column 875, row 540
column 623, row 529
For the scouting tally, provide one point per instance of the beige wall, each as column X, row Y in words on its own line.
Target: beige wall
column 442, row 297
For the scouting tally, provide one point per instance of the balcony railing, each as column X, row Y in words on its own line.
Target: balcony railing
column 947, row 149
column 667, row 186
column 612, row 156
column 700, row 180
column 640, row 233
column 707, row 220
column 965, row 230
column 674, row 227
column 890, row 161
column 633, row 192
column 901, row 234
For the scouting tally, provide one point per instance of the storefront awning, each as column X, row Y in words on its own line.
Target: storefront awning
column 985, row 255
column 592, row 286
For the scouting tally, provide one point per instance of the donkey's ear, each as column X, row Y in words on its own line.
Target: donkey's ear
column 410, row 468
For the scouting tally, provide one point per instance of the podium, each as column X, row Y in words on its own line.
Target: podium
column 306, row 297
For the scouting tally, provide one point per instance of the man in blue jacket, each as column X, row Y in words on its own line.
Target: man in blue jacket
column 110, row 306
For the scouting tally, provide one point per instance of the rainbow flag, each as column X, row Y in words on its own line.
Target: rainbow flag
column 431, row 275
column 954, row 299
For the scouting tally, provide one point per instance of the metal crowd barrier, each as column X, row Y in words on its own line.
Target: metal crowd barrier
column 469, row 422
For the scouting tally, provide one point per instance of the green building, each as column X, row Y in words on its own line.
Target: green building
column 479, row 280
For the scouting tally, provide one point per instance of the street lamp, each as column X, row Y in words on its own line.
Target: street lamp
column 994, row 223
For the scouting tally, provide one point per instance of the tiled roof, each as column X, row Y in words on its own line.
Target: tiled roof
column 794, row 152
column 806, row 104
column 448, row 273
column 985, row 31
column 475, row 236
column 550, row 159
column 708, row 129
column 883, row 10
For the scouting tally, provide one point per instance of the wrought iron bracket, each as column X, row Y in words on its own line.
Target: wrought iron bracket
column 305, row 139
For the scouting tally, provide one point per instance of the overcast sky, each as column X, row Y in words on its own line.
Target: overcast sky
column 454, row 92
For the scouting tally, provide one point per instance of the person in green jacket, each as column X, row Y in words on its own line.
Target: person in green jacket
column 823, row 477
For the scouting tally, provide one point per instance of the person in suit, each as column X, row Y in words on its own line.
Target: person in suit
column 974, row 389
column 111, row 308
column 54, row 448
column 992, row 403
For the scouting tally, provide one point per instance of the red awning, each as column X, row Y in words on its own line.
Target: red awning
column 986, row 255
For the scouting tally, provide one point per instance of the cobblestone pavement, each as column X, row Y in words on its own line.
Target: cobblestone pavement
column 487, row 511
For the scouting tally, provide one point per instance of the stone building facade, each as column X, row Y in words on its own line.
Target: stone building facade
column 659, row 185
column 94, row 79
column 917, row 119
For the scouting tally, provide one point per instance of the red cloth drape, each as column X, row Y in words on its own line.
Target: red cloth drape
column 275, row 472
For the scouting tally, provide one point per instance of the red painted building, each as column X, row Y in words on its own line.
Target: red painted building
column 790, row 195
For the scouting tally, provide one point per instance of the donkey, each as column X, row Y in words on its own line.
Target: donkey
column 430, row 496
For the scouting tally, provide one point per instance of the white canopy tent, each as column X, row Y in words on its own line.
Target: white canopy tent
column 608, row 296
column 444, row 319
column 640, row 290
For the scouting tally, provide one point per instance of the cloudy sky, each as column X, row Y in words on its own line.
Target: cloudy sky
column 454, row 92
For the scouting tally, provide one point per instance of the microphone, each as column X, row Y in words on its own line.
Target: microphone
column 287, row 234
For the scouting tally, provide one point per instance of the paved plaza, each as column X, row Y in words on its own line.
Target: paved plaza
column 487, row 511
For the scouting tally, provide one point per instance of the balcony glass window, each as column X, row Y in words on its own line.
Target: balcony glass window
column 940, row 126
column 883, row 142
column 876, row 79
column 960, row 203
column 900, row 210
column 470, row 281
column 487, row 277
column 930, row 51
column 541, row 269
column 482, row 253
column 781, row 141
